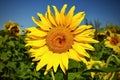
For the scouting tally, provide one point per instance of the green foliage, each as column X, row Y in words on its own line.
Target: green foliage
column 16, row 64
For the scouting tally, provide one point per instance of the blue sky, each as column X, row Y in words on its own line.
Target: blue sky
column 20, row 11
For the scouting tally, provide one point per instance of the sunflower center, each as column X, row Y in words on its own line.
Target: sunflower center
column 14, row 30
column 59, row 39
column 114, row 41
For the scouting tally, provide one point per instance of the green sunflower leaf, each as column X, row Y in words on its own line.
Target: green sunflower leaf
column 2, row 65
column 11, row 43
column 108, row 69
column 58, row 76
column 74, row 64
column 4, row 56
column 11, row 65
column 75, row 76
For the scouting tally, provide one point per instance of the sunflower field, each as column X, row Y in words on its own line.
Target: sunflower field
column 60, row 48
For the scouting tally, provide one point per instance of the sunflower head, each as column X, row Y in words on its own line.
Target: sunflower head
column 12, row 28
column 101, row 36
column 108, row 32
column 58, row 38
column 109, row 76
column 94, row 64
column 114, row 29
column 113, row 41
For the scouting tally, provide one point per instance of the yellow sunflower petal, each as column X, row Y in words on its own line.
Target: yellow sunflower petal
column 57, row 14
column 40, row 55
column 36, row 43
column 82, row 28
column 83, row 59
column 80, row 16
column 50, row 62
column 46, row 71
column 45, row 21
column 69, row 16
column 107, row 44
column 56, row 61
column 63, row 9
column 89, row 32
column 39, row 51
column 40, row 24
column 73, row 55
column 87, row 46
column 53, row 60
column 64, row 57
column 51, row 16
column 62, row 15
column 43, row 61
column 36, row 32
column 86, row 33
column 76, row 20
column 36, row 59
column 64, row 62
column 116, row 49
column 85, row 39
column 62, row 67
column 77, row 47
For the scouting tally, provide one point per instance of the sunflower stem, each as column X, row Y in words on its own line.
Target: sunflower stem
column 110, row 58
column 52, row 74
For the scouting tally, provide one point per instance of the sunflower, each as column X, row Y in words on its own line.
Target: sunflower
column 101, row 36
column 113, row 41
column 94, row 64
column 59, row 38
column 13, row 28
column 109, row 76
